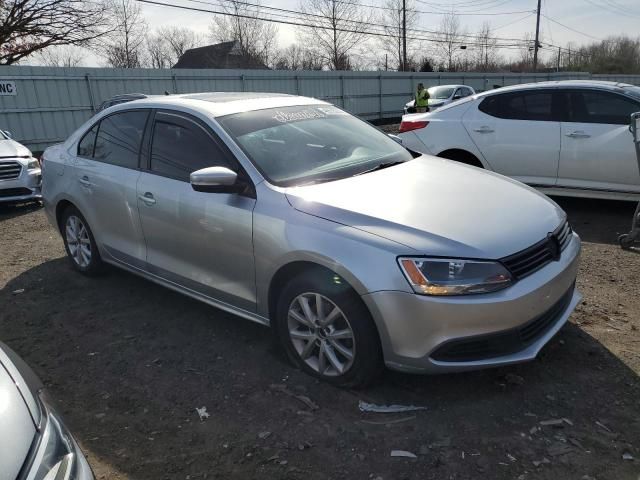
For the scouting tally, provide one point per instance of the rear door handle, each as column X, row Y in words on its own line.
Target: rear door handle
column 147, row 198
column 483, row 129
column 578, row 134
column 84, row 181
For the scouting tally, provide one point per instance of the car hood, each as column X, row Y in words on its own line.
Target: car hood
column 436, row 207
column 16, row 424
column 11, row 148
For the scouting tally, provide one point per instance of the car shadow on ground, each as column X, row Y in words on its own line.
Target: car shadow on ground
column 598, row 221
column 129, row 362
column 12, row 210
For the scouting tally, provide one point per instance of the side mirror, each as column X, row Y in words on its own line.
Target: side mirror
column 216, row 180
column 395, row 138
column 457, row 96
column 7, row 133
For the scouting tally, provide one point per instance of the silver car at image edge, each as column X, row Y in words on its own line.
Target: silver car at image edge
column 290, row 212
column 20, row 176
column 36, row 445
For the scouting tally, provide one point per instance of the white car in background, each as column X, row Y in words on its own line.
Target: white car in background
column 566, row 138
column 442, row 95
column 20, row 175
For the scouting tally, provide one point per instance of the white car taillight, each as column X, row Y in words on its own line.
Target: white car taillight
column 408, row 125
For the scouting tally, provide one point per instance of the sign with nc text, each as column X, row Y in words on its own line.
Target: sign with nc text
column 8, row 87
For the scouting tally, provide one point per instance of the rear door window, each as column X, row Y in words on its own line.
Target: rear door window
column 181, row 146
column 533, row 105
column 119, row 138
column 591, row 106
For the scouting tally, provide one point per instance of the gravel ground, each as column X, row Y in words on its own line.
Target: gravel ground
column 129, row 362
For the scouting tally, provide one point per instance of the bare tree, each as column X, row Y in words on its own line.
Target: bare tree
column 255, row 37
column 167, row 44
column 28, row 26
column 335, row 28
column 524, row 61
column 180, row 39
column 298, row 57
column 60, row 56
column 124, row 46
column 392, row 21
column 449, row 39
column 485, row 51
column 158, row 51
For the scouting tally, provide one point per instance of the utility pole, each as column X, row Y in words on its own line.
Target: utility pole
column 404, row 35
column 558, row 67
column 535, row 47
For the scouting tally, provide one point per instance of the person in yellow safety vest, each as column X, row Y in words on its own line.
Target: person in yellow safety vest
column 422, row 99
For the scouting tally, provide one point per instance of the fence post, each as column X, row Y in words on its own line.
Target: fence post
column 342, row 91
column 242, row 81
column 380, row 95
column 297, row 84
column 90, row 90
column 175, row 83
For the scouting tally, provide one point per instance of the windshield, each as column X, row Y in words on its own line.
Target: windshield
column 440, row 93
column 310, row 143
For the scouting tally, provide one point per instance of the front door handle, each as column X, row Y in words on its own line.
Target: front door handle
column 483, row 129
column 147, row 198
column 578, row 134
column 84, row 181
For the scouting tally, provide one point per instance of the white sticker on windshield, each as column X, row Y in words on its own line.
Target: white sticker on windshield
column 307, row 114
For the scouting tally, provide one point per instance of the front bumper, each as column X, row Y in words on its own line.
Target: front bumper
column 26, row 187
column 415, row 328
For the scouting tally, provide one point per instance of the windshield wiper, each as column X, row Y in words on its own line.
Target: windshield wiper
column 380, row 166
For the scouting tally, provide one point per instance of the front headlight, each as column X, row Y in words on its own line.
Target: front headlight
column 446, row 276
column 33, row 164
column 55, row 454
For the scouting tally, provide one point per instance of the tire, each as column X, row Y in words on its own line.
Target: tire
column 625, row 241
column 79, row 243
column 348, row 337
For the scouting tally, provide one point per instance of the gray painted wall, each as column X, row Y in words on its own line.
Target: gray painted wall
column 52, row 102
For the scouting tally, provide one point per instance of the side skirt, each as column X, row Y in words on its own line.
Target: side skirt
column 187, row 291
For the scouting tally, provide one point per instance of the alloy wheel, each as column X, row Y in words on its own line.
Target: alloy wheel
column 78, row 241
column 321, row 334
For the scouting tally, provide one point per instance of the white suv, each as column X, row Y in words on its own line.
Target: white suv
column 20, row 175
column 566, row 138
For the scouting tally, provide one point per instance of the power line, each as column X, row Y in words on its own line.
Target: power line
column 299, row 23
column 298, row 16
column 569, row 28
column 451, row 9
column 515, row 21
column 427, row 12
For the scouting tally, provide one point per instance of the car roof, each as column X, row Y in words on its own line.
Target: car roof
column 451, row 86
column 218, row 104
column 602, row 85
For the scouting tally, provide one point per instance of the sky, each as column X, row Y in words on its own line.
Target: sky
column 583, row 21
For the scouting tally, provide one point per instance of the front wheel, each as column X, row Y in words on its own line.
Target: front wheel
column 327, row 331
column 625, row 241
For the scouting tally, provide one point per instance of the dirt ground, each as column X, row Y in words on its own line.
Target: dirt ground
column 129, row 362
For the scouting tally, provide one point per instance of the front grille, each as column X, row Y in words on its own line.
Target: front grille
column 14, row 192
column 9, row 170
column 531, row 259
column 502, row 343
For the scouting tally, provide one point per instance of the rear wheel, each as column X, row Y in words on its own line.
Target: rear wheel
column 79, row 242
column 327, row 331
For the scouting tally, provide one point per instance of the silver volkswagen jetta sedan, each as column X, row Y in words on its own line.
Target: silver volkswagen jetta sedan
column 35, row 444
column 292, row 213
